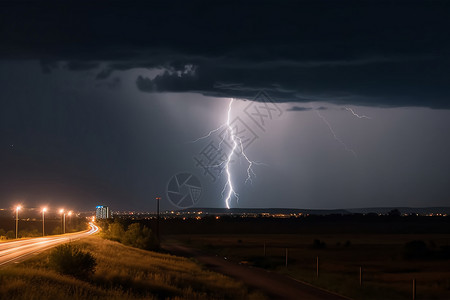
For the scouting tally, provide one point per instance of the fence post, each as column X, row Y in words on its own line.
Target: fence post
column 360, row 276
column 317, row 267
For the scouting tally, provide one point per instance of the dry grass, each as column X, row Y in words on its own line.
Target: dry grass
column 122, row 273
column 386, row 275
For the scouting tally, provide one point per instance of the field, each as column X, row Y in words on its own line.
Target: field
column 386, row 274
column 122, row 273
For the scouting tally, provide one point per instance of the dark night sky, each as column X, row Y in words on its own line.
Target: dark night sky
column 100, row 100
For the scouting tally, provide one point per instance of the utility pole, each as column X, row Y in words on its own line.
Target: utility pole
column 157, row 216
column 43, row 220
column 17, row 220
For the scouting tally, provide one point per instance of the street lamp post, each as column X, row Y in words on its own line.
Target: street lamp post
column 43, row 220
column 63, row 219
column 18, row 207
column 70, row 218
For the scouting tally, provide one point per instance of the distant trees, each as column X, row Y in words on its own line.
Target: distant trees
column 394, row 213
column 7, row 235
column 135, row 235
column 29, row 233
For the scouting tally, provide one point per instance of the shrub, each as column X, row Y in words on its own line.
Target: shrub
column 115, row 232
column 71, row 260
column 10, row 234
column 135, row 235
column 140, row 237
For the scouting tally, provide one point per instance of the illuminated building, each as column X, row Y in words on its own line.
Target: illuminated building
column 102, row 212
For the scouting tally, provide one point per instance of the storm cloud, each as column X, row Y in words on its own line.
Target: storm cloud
column 386, row 54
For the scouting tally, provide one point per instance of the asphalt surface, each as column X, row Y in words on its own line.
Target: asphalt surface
column 15, row 251
column 275, row 286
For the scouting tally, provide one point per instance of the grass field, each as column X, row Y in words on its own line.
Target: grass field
column 386, row 274
column 122, row 273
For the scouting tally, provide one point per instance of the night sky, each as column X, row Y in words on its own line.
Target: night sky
column 345, row 104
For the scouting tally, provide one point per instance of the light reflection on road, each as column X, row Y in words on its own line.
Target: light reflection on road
column 16, row 250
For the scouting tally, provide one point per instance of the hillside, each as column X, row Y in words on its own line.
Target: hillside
column 122, row 273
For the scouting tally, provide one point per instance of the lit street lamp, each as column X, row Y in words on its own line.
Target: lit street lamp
column 63, row 219
column 70, row 219
column 43, row 220
column 18, row 207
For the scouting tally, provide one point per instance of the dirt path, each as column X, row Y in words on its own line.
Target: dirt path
column 276, row 286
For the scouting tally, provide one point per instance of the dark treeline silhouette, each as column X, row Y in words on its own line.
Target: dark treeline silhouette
column 356, row 223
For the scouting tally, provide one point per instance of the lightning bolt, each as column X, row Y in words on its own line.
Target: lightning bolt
column 228, row 191
column 237, row 143
column 355, row 114
column 209, row 134
column 229, row 183
column 334, row 134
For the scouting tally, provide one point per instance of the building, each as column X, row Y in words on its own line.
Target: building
column 102, row 212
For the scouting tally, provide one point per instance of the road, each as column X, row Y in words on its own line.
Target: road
column 16, row 251
column 276, row 286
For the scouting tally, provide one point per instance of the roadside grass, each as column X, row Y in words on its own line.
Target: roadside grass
column 122, row 272
column 386, row 274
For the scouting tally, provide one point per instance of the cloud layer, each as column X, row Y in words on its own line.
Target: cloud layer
column 362, row 53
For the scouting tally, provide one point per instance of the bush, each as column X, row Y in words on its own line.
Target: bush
column 115, row 232
column 10, row 235
column 71, row 260
column 135, row 235
column 140, row 237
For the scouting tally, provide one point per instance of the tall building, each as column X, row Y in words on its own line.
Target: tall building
column 102, row 212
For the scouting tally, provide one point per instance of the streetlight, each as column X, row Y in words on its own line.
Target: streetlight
column 63, row 217
column 18, row 207
column 43, row 220
column 69, row 214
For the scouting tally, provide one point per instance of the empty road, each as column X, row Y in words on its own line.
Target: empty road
column 17, row 250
